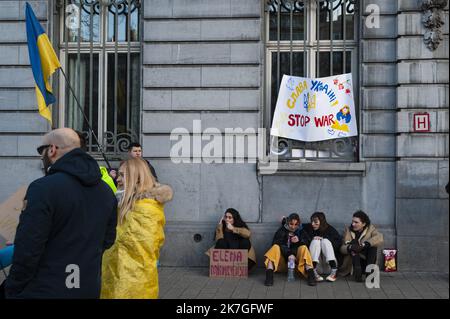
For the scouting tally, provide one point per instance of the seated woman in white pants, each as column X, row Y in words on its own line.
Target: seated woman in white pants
column 323, row 240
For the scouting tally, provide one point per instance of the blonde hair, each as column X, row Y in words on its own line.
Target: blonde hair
column 138, row 183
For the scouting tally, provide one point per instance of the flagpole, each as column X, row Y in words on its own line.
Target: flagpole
column 86, row 119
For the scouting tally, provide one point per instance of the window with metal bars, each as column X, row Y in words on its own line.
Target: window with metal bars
column 310, row 38
column 100, row 53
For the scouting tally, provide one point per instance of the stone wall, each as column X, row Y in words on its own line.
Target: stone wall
column 422, row 165
column 20, row 125
column 202, row 61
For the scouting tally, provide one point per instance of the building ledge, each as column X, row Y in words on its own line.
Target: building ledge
column 312, row 168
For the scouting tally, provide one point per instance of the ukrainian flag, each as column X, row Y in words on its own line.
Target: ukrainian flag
column 43, row 60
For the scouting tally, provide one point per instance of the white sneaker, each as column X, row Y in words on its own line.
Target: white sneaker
column 318, row 277
column 332, row 277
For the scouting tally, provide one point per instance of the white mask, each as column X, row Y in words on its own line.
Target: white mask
column 119, row 194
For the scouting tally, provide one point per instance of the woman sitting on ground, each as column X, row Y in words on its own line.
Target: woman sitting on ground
column 288, row 246
column 360, row 246
column 323, row 241
column 233, row 233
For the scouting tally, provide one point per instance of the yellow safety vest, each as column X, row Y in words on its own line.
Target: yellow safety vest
column 108, row 179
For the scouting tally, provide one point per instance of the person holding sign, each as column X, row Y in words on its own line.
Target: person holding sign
column 323, row 241
column 289, row 245
column 360, row 246
column 233, row 233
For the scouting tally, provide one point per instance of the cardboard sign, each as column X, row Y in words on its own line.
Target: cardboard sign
column 9, row 215
column 313, row 110
column 228, row 263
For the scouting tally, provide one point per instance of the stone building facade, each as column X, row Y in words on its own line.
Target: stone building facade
column 209, row 61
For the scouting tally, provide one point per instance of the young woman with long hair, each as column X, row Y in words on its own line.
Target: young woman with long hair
column 129, row 266
column 324, row 242
column 233, row 233
column 289, row 251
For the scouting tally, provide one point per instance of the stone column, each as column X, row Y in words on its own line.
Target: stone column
column 422, row 164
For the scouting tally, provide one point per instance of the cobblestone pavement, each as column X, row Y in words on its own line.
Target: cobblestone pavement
column 194, row 283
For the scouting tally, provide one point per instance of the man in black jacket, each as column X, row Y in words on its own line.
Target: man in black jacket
column 68, row 220
column 135, row 151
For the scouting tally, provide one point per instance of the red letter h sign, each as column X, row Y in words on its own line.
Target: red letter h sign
column 421, row 122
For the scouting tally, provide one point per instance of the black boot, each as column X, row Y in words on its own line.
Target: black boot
column 311, row 277
column 357, row 269
column 357, row 273
column 269, row 277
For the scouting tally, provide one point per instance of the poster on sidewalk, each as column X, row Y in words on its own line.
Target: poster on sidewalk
column 312, row 110
column 10, row 211
column 228, row 263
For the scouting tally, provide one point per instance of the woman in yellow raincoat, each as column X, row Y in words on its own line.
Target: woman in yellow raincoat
column 129, row 269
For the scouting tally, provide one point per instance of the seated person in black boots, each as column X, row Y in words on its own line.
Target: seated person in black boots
column 360, row 246
column 233, row 233
column 289, row 252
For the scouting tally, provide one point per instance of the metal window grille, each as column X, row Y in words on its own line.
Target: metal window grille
column 310, row 38
column 99, row 42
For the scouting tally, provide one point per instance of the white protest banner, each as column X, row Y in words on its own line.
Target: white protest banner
column 313, row 110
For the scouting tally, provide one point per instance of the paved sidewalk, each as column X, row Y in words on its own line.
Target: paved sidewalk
column 194, row 283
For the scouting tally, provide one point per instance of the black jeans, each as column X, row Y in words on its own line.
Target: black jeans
column 371, row 257
column 233, row 241
column 238, row 243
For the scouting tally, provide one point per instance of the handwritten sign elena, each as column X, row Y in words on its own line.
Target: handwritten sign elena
column 313, row 110
column 228, row 263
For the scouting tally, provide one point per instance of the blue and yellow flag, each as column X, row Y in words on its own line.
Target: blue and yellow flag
column 43, row 60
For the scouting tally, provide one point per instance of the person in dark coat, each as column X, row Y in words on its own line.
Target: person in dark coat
column 323, row 241
column 288, row 246
column 68, row 220
column 135, row 151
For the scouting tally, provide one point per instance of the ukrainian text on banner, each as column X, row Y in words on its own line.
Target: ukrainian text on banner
column 313, row 110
